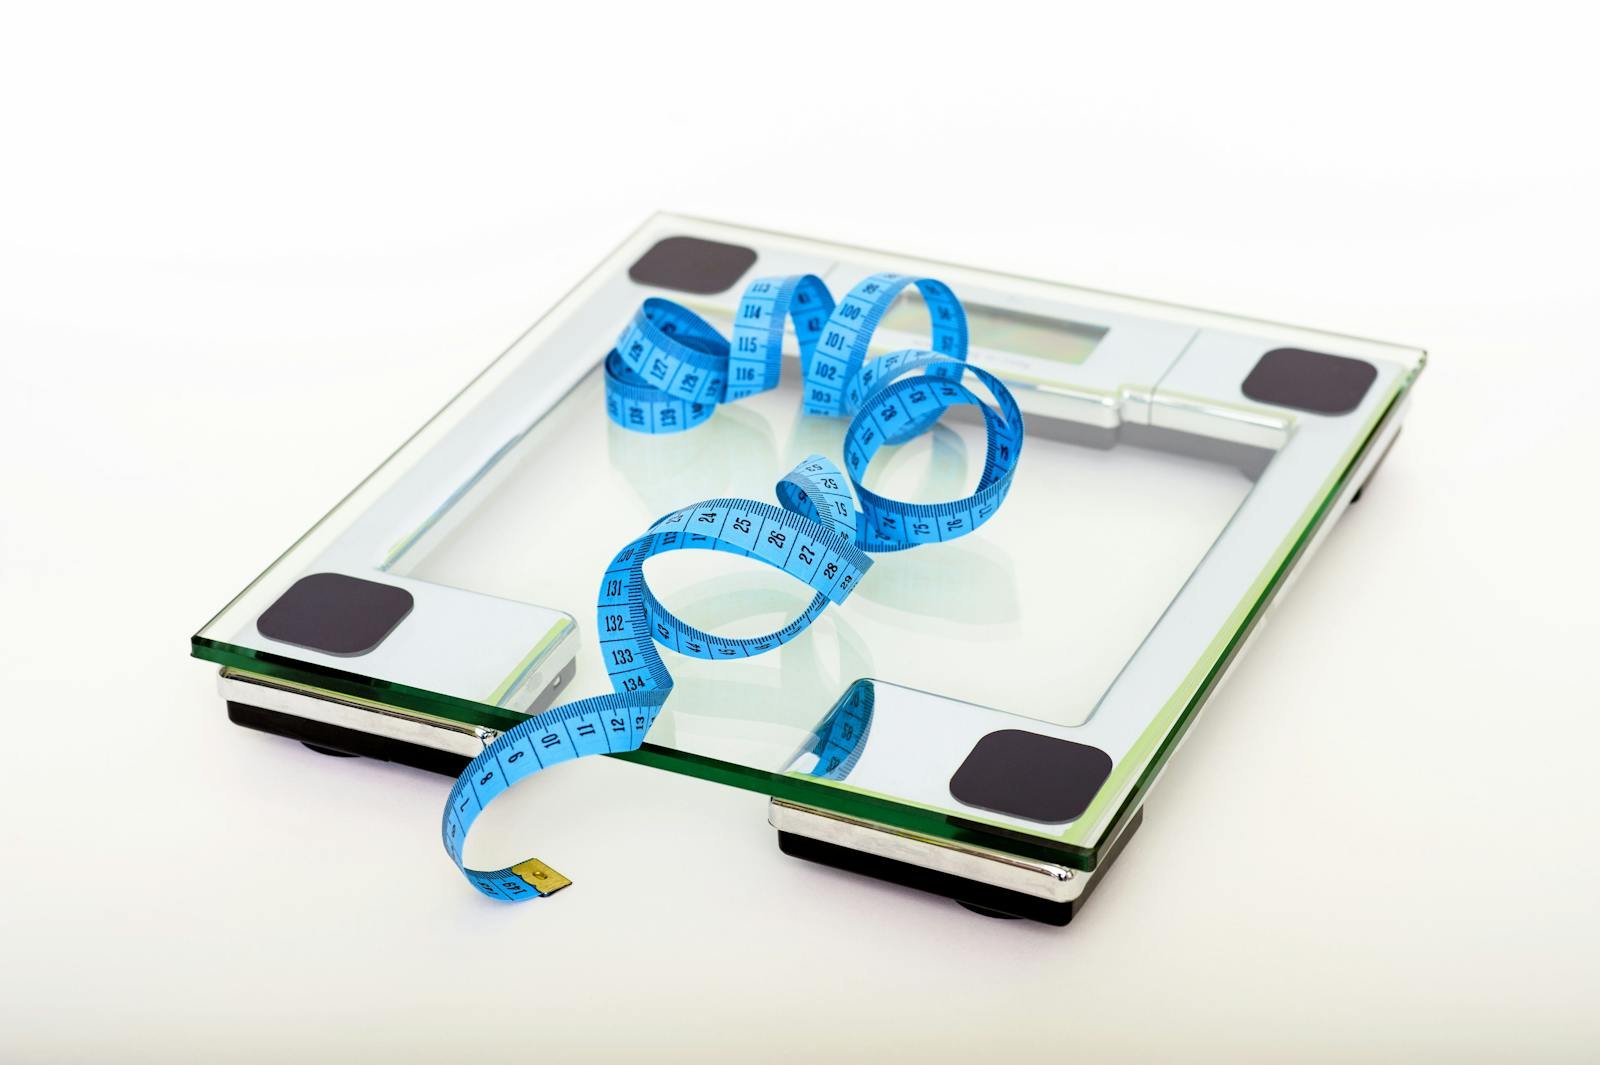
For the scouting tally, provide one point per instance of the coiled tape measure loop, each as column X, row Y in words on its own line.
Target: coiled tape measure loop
column 668, row 372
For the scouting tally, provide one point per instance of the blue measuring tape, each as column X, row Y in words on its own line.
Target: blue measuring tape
column 669, row 371
column 842, row 736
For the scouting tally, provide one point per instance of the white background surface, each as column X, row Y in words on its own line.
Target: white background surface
column 243, row 256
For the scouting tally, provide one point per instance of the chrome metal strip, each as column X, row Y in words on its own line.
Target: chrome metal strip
column 1028, row 876
column 374, row 719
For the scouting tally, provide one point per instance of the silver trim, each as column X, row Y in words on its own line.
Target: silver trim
column 406, row 726
column 1028, row 876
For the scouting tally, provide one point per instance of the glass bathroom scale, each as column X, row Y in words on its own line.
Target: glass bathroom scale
column 984, row 717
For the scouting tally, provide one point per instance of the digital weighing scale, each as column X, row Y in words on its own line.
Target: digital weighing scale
column 985, row 716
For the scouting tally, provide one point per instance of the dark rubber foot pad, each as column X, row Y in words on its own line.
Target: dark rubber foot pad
column 329, row 751
column 333, row 740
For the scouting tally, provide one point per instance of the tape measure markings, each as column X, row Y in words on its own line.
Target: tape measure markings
column 842, row 736
column 668, row 372
column 758, row 330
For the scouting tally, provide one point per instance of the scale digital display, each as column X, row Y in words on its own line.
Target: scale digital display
column 998, row 329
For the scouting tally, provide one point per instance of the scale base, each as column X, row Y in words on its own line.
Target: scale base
column 341, row 726
column 346, row 742
column 988, row 882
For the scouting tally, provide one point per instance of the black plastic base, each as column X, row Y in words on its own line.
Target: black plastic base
column 331, row 739
column 983, row 899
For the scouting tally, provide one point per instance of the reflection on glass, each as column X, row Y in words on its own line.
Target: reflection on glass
column 840, row 738
column 998, row 329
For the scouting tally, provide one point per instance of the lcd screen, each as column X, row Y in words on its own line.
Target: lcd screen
column 997, row 329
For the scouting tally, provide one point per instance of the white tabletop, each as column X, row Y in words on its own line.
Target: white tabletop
column 239, row 263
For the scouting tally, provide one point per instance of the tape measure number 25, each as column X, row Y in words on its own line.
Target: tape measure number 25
column 668, row 372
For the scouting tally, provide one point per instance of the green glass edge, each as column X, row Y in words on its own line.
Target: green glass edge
column 519, row 672
column 1167, row 729
column 1164, row 732
column 341, row 682
column 859, row 803
column 864, row 805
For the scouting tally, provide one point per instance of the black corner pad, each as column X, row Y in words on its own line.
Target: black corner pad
column 335, row 614
column 1310, row 381
column 1029, row 775
column 690, row 264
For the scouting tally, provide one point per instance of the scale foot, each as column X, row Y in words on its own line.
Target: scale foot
column 984, row 899
column 329, row 751
column 338, row 742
